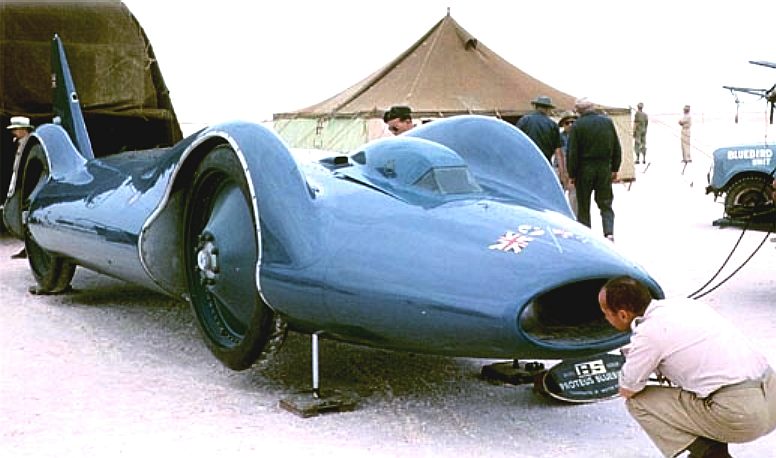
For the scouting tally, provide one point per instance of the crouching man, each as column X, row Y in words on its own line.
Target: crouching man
column 721, row 389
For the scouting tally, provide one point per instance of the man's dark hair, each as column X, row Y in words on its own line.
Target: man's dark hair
column 626, row 293
column 404, row 113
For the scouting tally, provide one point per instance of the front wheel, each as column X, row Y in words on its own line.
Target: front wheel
column 749, row 196
column 221, row 250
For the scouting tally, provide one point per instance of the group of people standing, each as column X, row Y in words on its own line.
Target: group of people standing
column 640, row 124
column 587, row 156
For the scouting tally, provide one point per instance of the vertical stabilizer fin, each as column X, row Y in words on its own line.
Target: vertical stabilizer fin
column 66, row 104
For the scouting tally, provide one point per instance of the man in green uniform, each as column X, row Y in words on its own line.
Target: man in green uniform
column 640, row 121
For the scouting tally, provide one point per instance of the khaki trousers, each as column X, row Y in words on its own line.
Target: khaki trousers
column 686, row 155
column 674, row 418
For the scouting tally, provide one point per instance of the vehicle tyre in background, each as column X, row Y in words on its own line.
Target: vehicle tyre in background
column 749, row 196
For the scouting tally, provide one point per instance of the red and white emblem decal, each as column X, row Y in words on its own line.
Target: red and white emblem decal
column 511, row 242
column 525, row 233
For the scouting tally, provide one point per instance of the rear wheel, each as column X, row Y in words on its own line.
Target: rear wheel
column 52, row 273
column 749, row 196
column 221, row 249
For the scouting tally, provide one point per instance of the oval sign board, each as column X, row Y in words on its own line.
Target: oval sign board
column 589, row 379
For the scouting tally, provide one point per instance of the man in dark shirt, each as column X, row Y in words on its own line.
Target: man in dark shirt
column 544, row 132
column 594, row 159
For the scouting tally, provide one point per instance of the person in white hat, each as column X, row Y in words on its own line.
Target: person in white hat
column 20, row 128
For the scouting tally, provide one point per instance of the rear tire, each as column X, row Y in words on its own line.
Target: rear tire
column 53, row 273
column 749, row 196
column 221, row 252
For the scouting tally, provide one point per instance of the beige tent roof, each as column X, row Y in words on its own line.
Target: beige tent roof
column 445, row 73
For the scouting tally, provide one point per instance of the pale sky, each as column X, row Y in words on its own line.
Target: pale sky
column 230, row 59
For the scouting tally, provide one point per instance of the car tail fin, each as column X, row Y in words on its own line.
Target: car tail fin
column 67, row 108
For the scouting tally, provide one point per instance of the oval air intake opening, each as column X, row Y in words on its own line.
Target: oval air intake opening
column 567, row 316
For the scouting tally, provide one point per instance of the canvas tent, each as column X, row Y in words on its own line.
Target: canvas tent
column 447, row 72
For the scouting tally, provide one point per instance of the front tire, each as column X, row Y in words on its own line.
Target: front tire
column 221, row 252
column 748, row 196
column 52, row 273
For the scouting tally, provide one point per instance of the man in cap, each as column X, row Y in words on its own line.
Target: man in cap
column 20, row 128
column 399, row 119
column 594, row 160
column 640, row 122
column 544, row 133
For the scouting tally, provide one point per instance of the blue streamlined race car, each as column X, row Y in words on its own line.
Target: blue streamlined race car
column 453, row 239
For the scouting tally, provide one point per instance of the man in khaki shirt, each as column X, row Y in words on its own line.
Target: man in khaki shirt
column 721, row 389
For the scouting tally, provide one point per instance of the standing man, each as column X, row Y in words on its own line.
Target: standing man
column 594, row 160
column 20, row 128
column 686, row 123
column 721, row 390
column 399, row 119
column 566, row 122
column 544, row 133
column 640, row 121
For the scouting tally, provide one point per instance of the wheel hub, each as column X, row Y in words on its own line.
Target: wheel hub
column 207, row 258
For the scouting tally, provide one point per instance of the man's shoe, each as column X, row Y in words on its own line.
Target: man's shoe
column 720, row 450
column 610, row 237
column 703, row 447
column 20, row 255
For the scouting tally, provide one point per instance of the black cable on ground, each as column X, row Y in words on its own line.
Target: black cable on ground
column 751, row 217
column 735, row 271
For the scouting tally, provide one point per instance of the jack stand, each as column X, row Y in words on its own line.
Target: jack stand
column 312, row 403
column 514, row 372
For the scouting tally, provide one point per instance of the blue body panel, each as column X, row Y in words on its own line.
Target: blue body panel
column 95, row 212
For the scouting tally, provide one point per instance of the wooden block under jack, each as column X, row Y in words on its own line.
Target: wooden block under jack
column 306, row 405
column 514, row 372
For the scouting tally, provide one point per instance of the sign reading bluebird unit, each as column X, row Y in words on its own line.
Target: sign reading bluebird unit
column 744, row 174
column 590, row 379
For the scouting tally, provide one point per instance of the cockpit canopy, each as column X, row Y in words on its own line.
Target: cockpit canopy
column 413, row 169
